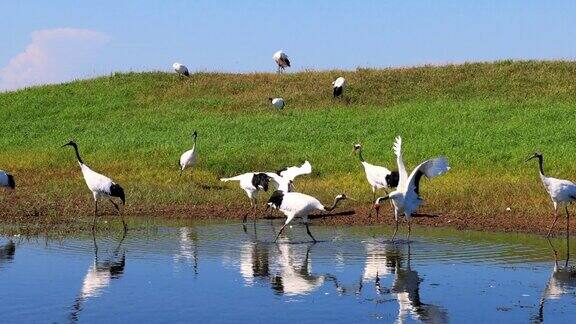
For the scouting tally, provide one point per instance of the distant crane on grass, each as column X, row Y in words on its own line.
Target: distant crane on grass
column 189, row 157
column 282, row 60
column 338, row 87
column 277, row 102
column 181, row 69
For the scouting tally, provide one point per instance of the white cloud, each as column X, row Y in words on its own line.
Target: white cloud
column 53, row 56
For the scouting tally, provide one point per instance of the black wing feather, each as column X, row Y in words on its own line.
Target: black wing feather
column 117, row 191
column 261, row 180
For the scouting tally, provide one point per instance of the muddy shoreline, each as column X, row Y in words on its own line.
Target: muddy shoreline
column 365, row 216
column 79, row 217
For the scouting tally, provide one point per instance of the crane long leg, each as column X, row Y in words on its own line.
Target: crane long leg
column 281, row 230
column 409, row 230
column 254, row 211
column 553, row 250
column 95, row 213
column 567, row 236
column 121, row 215
column 246, row 215
column 310, row 234
column 123, row 222
column 553, row 223
column 115, row 205
column 373, row 201
column 395, row 231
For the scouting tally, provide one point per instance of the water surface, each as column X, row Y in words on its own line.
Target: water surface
column 218, row 271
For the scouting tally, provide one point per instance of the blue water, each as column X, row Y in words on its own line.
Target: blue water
column 219, row 273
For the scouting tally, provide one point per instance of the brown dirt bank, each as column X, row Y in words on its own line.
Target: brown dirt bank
column 363, row 216
column 76, row 214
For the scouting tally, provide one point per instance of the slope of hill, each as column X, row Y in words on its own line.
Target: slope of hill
column 486, row 118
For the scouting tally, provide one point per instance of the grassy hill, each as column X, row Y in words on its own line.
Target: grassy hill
column 486, row 118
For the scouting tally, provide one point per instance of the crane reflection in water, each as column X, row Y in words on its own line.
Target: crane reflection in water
column 187, row 248
column 562, row 281
column 286, row 267
column 7, row 251
column 389, row 261
column 99, row 275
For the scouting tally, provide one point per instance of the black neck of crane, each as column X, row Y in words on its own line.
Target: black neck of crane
column 334, row 205
column 77, row 154
column 360, row 155
column 541, row 164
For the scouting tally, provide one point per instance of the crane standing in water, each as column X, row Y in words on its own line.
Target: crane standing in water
column 562, row 193
column 295, row 204
column 100, row 185
column 406, row 198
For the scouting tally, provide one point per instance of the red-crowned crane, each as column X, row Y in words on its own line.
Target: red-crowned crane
column 338, row 87
column 282, row 60
column 406, row 198
column 251, row 183
column 295, row 204
column 277, row 102
column 378, row 177
column 181, row 69
column 189, row 157
column 100, row 185
column 562, row 193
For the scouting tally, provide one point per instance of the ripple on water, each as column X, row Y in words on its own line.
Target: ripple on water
column 247, row 264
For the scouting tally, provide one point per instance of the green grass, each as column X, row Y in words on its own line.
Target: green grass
column 484, row 117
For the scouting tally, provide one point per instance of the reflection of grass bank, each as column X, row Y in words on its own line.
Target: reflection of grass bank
column 484, row 117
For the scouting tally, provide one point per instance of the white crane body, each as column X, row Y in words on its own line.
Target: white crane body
column 277, row 102
column 338, row 87
column 281, row 60
column 188, row 158
column 295, row 204
column 99, row 185
column 406, row 198
column 181, row 69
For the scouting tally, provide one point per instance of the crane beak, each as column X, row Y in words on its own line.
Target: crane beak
column 64, row 145
column 351, row 198
column 530, row 158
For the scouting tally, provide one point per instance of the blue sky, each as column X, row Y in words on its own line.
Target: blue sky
column 97, row 37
